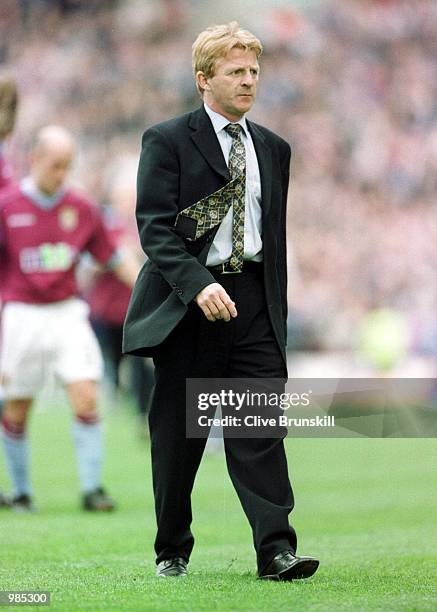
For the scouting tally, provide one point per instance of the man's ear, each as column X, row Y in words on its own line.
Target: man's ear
column 202, row 81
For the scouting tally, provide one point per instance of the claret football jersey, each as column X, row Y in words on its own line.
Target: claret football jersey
column 40, row 246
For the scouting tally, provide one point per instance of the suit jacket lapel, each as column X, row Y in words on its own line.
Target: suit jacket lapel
column 207, row 142
column 264, row 156
column 205, row 139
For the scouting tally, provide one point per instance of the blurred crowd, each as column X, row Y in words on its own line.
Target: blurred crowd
column 351, row 85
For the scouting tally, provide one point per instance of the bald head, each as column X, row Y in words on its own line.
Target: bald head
column 53, row 138
column 52, row 156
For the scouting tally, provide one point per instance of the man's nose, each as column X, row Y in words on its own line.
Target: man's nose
column 247, row 79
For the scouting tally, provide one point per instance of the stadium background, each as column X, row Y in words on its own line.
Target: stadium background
column 352, row 86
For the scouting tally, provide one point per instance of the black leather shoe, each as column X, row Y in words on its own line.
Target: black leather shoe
column 176, row 567
column 23, row 504
column 286, row 566
column 98, row 501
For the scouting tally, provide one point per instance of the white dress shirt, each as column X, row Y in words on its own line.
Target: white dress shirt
column 221, row 247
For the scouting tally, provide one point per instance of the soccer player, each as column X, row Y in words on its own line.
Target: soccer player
column 44, row 228
column 8, row 111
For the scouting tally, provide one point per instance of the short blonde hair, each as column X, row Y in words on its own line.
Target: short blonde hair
column 215, row 42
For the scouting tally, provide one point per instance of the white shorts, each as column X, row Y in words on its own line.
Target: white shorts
column 39, row 340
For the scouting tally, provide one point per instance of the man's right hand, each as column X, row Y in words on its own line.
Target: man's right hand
column 215, row 303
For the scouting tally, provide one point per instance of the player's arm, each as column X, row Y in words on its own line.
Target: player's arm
column 104, row 249
column 124, row 264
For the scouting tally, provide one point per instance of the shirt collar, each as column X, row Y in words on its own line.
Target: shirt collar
column 29, row 188
column 219, row 122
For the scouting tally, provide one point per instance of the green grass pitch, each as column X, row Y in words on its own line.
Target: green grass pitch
column 365, row 507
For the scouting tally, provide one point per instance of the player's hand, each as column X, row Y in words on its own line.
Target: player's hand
column 215, row 303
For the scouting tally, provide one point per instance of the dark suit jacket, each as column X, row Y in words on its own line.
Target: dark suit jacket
column 182, row 162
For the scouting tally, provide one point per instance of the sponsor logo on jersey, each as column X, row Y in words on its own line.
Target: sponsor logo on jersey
column 47, row 257
column 21, row 220
column 68, row 218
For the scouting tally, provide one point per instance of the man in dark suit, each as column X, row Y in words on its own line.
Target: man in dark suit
column 211, row 301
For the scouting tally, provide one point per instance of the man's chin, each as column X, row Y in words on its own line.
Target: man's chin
column 245, row 104
column 49, row 190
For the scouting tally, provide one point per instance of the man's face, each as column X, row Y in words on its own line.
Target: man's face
column 231, row 91
column 50, row 168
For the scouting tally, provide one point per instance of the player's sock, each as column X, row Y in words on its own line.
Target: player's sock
column 17, row 452
column 88, row 438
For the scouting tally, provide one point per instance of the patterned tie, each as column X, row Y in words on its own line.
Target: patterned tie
column 237, row 168
column 210, row 211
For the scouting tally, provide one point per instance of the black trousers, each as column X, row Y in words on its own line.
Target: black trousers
column 245, row 347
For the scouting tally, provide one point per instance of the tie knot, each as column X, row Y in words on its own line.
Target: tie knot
column 234, row 130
